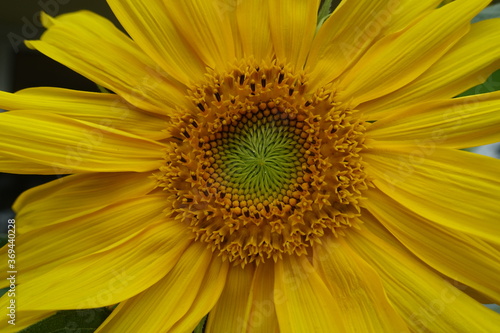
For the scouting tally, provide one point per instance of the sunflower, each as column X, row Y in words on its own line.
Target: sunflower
column 252, row 164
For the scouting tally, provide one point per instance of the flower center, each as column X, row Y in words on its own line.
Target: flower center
column 257, row 161
column 259, row 155
column 261, row 168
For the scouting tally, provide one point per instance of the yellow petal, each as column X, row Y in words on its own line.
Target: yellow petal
column 247, row 303
column 228, row 11
column 455, row 123
column 254, row 29
column 409, row 10
column 426, row 301
column 154, row 31
column 110, row 276
column 401, row 57
column 293, row 25
column 124, row 68
column 205, row 29
column 262, row 313
column 357, row 289
column 87, row 234
column 353, row 27
column 159, row 307
column 449, row 187
column 302, row 300
column 64, row 145
column 104, row 109
column 73, row 196
column 229, row 314
column 211, row 288
column 459, row 256
column 345, row 36
column 467, row 64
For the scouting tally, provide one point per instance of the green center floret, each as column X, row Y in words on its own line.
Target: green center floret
column 260, row 158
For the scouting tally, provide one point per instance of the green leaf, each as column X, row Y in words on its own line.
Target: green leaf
column 81, row 321
column 490, row 85
column 201, row 325
column 325, row 9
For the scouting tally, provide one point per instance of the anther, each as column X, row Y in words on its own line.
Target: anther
column 281, row 77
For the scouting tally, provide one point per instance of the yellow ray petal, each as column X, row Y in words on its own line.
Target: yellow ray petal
column 357, row 289
column 293, row 25
column 107, row 227
column 70, row 197
column 302, row 300
column 131, row 74
column 426, row 301
column 206, row 30
column 455, row 123
column 229, row 314
column 159, row 307
column 107, row 277
column 345, row 36
column 401, row 57
column 353, row 27
column 409, row 10
column 262, row 313
column 467, row 64
column 228, row 11
column 16, row 165
column 64, row 145
column 247, row 304
column 104, row 109
column 449, row 187
column 210, row 290
column 254, row 29
column 459, row 256
column 151, row 27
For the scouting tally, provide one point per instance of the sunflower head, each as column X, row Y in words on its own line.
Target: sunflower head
column 260, row 167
